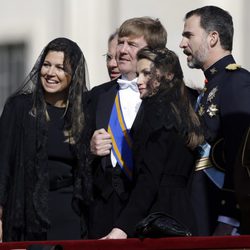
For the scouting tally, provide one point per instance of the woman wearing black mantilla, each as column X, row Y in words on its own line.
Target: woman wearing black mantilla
column 42, row 147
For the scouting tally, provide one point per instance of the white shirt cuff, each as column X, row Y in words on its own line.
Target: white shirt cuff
column 229, row 221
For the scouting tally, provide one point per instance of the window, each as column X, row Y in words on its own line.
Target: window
column 12, row 69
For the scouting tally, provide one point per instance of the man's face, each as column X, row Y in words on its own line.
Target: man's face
column 127, row 49
column 111, row 59
column 195, row 43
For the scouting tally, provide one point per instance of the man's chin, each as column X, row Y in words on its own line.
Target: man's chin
column 190, row 65
column 115, row 75
column 193, row 65
column 124, row 66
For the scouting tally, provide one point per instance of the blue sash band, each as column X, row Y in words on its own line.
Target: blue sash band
column 121, row 139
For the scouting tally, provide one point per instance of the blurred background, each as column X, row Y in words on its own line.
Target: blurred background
column 27, row 26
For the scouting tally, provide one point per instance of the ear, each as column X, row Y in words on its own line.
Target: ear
column 214, row 38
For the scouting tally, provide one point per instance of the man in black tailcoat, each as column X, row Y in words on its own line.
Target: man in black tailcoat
column 112, row 182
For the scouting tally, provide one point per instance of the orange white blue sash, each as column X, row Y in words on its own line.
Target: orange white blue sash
column 121, row 139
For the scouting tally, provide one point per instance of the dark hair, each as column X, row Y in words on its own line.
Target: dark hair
column 213, row 18
column 75, row 65
column 151, row 29
column 166, row 61
column 74, row 116
column 72, row 53
column 173, row 90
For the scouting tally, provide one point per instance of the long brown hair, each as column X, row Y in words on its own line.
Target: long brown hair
column 164, row 63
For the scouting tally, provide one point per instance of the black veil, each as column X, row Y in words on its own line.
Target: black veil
column 28, row 211
column 75, row 65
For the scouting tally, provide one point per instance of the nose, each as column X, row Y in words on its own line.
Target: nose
column 113, row 63
column 139, row 80
column 51, row 70
column 183, row 43
column 123, row 47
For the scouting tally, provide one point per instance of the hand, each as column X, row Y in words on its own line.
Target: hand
column 100, row 143
column 115, row 233
column 223, row 229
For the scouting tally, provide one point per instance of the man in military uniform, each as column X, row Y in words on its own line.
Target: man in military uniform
column 224, row 106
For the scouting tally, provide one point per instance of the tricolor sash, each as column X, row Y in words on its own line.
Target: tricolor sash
column 121, row 139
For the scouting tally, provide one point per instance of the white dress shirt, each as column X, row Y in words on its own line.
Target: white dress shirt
column 130, row 104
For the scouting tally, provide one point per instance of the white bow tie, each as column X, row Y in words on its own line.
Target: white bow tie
column 128, row 84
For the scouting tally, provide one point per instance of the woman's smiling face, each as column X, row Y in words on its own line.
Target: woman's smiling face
column 55, row 80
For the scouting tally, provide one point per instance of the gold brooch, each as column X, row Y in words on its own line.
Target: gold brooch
column 212, row 110
column 233, row 66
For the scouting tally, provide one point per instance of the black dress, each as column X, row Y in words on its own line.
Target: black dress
column 65, row 224
column 36, row 174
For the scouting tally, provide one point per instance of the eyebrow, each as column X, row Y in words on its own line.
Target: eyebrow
column 48, row 61
column 186, row 33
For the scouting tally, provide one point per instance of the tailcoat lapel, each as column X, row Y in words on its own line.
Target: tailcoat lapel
column 104, row 107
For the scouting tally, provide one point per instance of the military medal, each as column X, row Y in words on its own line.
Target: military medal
column 211, row 94
column 201, row 110
column 212, row 110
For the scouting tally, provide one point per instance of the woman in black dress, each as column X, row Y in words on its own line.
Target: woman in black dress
column 165, row 133
column 41, row 141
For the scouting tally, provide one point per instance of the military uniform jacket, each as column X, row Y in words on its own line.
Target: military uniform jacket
column 225, row 113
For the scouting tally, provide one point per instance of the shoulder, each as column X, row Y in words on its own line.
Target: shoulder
column 14, row 109
column 159, row 113
column 18, row 102
column 239, row 76
column 94, row 94
column 102, row 87
column 233, row 81
column 235, row 92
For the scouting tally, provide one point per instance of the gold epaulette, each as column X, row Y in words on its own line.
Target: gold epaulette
column 202, row 163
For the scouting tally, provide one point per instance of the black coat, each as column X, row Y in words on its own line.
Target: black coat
column 163, row 168
column 23, row 192
column 25, row 179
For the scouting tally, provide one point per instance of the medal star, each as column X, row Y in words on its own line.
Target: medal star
column 212, row 110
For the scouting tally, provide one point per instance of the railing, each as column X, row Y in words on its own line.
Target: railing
column 227, row 242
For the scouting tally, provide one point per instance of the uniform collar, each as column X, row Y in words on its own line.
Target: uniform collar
column 218, row 67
